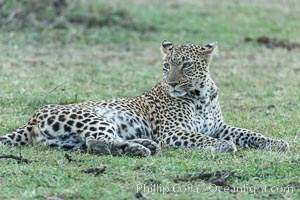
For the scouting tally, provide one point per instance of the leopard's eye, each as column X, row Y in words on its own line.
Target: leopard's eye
column 186, row 65
column 166, row 66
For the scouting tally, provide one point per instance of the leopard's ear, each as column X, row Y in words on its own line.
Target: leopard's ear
column 210, row 48
column 166, row 46
column 209, row 51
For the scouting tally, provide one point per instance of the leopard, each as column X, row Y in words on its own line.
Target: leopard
column 181, row 111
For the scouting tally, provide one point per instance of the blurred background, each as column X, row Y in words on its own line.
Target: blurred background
column 65, row 51
column 127, row 22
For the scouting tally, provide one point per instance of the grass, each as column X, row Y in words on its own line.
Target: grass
column 259, row 89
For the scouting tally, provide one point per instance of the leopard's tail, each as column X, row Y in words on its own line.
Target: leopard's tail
column 18, row 137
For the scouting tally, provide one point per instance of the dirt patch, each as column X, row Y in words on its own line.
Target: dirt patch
column 295, row 185
column 70, row 158
column 152, row 182
column 140, row 195
column 95, row 171
column 273, row 42
column 148, row 166
column 218, row 178
column 138, row 167
column 289, row 187
column 34, row 63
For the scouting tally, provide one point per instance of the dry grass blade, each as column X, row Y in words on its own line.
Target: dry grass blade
column 95, row 171
column 20, row 159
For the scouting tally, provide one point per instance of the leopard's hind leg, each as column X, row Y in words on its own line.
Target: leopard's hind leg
column 73, row 127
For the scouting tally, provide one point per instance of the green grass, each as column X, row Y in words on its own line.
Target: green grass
column 98, row 59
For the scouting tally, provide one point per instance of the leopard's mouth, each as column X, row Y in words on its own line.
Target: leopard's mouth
column 176, row 93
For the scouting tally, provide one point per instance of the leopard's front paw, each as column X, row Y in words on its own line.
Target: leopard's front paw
column 134, row 149
column 275, row 145
column 225, row 146
column 281, row 146
column 149, row 144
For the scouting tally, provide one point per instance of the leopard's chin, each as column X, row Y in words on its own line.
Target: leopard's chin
column 176, row 93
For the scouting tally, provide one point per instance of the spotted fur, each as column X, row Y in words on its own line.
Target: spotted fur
column 181, row 111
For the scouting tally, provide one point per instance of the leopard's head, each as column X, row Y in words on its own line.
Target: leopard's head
column 186, row 66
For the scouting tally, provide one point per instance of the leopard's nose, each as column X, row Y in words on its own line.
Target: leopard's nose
column 173, row 84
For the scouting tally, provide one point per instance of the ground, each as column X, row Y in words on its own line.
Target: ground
column 92, row 60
